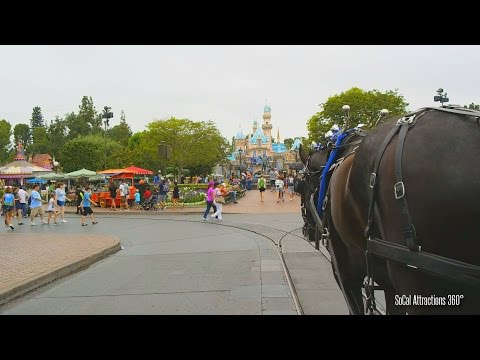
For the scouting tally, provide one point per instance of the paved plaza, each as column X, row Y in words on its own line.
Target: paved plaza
column 168, row 262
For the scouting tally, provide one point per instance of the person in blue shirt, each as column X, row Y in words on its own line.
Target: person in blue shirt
column 137, row 199
column 8, row 206
column 87, row 209
column 36, row 205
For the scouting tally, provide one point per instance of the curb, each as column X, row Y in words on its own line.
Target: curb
column 58, row 273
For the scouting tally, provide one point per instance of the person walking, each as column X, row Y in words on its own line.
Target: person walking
column 261, row 186
column 36, row 205
column 17, row 212
column 273, row 175
column 79, row 199
column 113, row 194
column 162, row 194
column 87, row 209
column 61, row 198
column 53, row 208
column 23, row 201
column 137, row 199
column 219, row 200
column 210, row 197
column 290, row 185
column 8, row 207
column 279, row 186
column 175, row 195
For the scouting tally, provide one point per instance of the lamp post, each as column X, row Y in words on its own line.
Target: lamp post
column 107, row 114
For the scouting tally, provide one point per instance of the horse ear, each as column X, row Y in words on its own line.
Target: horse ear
column 303, row 155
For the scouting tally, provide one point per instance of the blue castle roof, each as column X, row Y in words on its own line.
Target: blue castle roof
column 296, row 144
column 278, row 147
column 267, row 109
column 239, row 136
column 259, row 134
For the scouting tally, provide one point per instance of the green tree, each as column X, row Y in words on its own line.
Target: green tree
column 40, row 143
column 57, row 135
column 472, row 106
column 288, row 142
column 5, row 145
column 22, row 134
column 121, row 133
column 193, row 143
column 37, row 118
column 88, row 152
column 86, row 122
column 365, row 108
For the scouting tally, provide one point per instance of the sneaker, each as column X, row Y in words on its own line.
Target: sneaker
column 44, row 222
column 204, row 219
column 55, row 223
column 84, row 224
column 94, row 222
column 21, row 224
column 11, row 227
column 64, row 221
column 33, row 224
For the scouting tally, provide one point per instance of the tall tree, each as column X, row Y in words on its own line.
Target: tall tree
column 37, row 118
column 57, row 135
column 365, row 108
column 121, row 133
column 5, row 145
column 288, row 142
column 21, row 133
column 87, row 114
column 40, row 143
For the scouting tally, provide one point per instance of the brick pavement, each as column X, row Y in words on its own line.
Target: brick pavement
column 28, row 261
column 248, row 204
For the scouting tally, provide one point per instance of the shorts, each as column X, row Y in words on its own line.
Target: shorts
column 162, row 198
column 261, row 189
column 87, row 210
column 7, row 208
column 60, row 203
column 34, row 211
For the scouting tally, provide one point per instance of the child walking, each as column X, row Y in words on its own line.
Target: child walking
column 86, row 206
column 137, row 200
column 53, row 209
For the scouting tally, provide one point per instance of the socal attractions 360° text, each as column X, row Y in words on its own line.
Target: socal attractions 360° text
column 432, row 300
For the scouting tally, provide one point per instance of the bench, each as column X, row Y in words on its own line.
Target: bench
column 240, row 193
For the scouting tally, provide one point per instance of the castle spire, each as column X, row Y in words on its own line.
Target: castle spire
column 278, row 135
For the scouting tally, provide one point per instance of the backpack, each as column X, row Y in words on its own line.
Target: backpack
column 29, row 201
column 166, row 188
column 261, row 183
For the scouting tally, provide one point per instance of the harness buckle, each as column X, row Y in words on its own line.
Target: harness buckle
column 405, row 120
column 399, row 189
column 373, row 178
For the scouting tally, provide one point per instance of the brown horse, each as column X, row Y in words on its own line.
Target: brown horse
column 425, row 252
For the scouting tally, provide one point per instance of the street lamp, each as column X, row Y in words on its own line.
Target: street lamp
column 107, row 114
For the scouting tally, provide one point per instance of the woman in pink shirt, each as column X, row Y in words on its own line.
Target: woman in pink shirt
column 210, row 197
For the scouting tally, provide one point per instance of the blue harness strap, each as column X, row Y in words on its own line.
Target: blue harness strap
column 323, row 179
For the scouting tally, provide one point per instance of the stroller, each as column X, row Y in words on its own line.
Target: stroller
column 149, row 204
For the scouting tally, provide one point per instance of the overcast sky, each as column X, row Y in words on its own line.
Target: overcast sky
column 226, row 84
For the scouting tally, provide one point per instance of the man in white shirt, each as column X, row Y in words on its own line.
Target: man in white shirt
column 23, row 201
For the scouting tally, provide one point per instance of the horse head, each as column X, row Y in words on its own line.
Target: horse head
column 314, row 162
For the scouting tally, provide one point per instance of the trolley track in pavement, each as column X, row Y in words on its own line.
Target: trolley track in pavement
column 277, row 246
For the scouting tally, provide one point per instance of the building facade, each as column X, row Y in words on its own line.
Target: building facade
column 259, row 150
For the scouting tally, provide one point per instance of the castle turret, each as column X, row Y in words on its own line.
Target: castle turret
column 267, row 126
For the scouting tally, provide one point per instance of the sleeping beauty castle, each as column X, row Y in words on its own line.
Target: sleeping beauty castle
column 259, row 151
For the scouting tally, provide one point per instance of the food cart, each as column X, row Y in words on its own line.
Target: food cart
column 118, row 176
